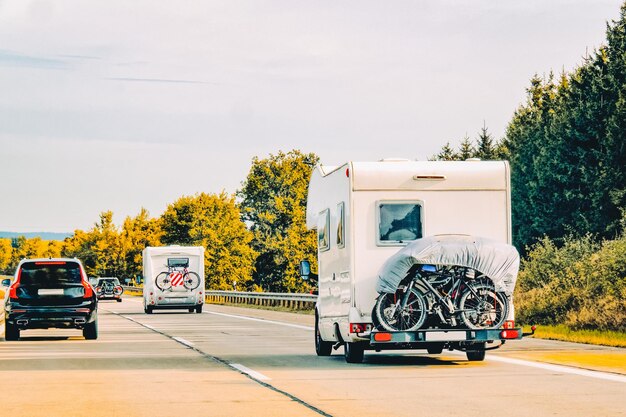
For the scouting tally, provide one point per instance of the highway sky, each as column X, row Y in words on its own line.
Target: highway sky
column 116, row 104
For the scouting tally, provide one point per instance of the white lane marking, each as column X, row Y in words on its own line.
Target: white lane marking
column 554, row 368
column 149, row 327
column 183, row 341
column 297, row 326
column 545, row 366
column 252, row 373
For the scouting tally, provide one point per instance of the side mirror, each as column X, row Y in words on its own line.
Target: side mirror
column 305, row 269
column 6, row 282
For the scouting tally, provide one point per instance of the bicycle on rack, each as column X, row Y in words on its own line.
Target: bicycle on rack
column 177, row 276
column 451, row 295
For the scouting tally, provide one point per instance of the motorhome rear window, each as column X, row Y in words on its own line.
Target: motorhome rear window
column 178, row 262
column 399, row 222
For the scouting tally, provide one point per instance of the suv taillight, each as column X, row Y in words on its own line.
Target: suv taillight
column 86, row 285
column 13, row 287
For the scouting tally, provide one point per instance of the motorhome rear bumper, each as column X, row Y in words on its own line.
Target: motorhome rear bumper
column 381, row 339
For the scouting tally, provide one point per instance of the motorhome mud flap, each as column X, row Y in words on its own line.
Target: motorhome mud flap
column 443, row 335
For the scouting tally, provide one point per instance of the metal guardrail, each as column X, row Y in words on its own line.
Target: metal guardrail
column 290, row 300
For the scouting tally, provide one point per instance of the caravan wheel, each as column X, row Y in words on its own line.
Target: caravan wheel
column 354, row 352
column 322, row 348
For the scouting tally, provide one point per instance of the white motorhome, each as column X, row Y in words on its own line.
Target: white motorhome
column 173, row 278
column 364, row 212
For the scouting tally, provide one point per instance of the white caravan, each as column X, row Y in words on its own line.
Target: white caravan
column 364, row 212
column 173, row 278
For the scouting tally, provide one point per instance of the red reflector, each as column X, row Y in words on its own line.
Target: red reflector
column 509, row 334
column 347, row 172
column 50, row 263
column 382, row 337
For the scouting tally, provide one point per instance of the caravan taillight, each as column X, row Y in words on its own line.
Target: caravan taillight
column 509, row 324
column 509, row 334
column 360, row 327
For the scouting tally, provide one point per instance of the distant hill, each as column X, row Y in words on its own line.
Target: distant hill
column 43, row 235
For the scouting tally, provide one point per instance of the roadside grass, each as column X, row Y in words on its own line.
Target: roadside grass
column 593, row 337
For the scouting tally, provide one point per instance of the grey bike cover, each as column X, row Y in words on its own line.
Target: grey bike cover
column 498, row 261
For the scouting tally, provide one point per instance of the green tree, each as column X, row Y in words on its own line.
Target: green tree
column 274, row 204
column 447, row 153
column 567, row 148
column 137, row 233
column 213, row 221
column 99, row 249
column 6, row 255
column 485, row 148
column 466, row 149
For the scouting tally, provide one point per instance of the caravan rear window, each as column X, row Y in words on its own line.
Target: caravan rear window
column 399, row 222
column 178, row 262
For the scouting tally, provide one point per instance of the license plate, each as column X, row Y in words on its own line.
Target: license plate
column 50, row 291
column 445, row 336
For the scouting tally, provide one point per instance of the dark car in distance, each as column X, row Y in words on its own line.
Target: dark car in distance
column 51, row 293
column 108, row 288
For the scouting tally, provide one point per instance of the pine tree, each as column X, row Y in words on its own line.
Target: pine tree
column 484, row 145
column 446, row 154
column 466, row 149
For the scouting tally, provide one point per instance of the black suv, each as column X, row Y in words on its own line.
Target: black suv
column 51, row 293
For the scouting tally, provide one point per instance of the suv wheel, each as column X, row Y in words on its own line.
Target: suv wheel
column 11, row 332
column 199, row 308
column 148, row 310
column 90, row 331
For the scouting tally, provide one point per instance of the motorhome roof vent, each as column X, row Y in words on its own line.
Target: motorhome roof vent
column 393, row 160
column 473, row 159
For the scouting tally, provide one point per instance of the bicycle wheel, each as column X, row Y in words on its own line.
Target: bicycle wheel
column 191, row 281
column 482, row 307
column 163, row 281
column 393, row 318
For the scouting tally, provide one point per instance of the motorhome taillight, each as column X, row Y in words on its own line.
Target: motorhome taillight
column 509, row 334
column 509, row 324
column 360, row 327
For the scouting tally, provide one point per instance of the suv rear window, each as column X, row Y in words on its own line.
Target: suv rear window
column 50, row 274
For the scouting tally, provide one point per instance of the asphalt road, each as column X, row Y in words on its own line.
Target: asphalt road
column 242, row 362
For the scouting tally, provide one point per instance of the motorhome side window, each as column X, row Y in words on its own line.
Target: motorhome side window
column 323, row 226
column 341, row 224
column 399, row 222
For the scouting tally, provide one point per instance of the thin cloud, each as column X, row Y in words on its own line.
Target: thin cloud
column 80, row 57
column 157, row 80
column 13, row 59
